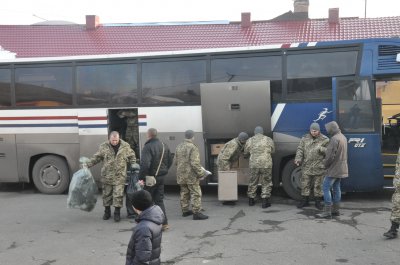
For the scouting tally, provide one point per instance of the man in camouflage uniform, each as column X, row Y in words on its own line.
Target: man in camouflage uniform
column 188, row 174
column 231, row 152
column 132, row 128
column 395, row 218
column 310, row 155
column 260, row 148
column 115, row 154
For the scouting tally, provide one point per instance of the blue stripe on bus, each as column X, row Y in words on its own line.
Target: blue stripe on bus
column 142, row 123
column 39, row 125
column 303, row 45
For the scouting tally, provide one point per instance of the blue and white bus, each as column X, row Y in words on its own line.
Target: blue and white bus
column 54, row 110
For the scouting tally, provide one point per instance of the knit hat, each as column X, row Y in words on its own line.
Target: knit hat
column 243, row 137
column 189, row 134
column 258, row 130
column 315, row 127
column 142, row 200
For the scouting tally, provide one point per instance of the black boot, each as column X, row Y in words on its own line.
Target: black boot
column 392, row 233
column 117, row 214
column 199, row 216
column 304, row 202
column 326, row 214
column 265, row 203
column 187, row 213
column 319, row 205
column 335, row 209
column 252, row 202
column 107, row 213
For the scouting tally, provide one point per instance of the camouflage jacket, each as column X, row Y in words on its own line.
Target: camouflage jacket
column 396, row 180
column 114, row 167
column 187, row 159
column 311, row 153
column 231, row 151
column 260, row 148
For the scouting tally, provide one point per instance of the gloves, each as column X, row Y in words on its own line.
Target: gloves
column 206, row 173
column 135, row 167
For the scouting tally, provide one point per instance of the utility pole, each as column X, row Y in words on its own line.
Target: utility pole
column 365, row 10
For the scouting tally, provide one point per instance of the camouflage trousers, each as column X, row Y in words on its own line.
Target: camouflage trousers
column 396, row 208
column 190, row 192
column 113, row 195
column 311, row 182
column 262, row 176
column 224, row 165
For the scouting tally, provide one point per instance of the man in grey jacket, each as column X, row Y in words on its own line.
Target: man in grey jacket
column 336, row 169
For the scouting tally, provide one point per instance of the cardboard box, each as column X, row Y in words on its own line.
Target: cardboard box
column 216, row 149
column 227, row 186
column 243, row 163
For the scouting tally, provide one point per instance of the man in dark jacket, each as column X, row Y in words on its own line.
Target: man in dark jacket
column 151, row 165
column 145, row 244
column 336, row 169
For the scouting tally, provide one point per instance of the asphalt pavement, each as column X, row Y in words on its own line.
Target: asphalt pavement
column 39, row 229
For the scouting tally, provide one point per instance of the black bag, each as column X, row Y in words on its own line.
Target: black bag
column 133, row 184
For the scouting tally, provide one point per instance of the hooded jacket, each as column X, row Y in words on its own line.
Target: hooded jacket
column 145, row 244
column 336, row 152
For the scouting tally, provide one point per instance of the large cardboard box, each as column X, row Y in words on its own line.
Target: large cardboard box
column 227, row 186
column 216, row 149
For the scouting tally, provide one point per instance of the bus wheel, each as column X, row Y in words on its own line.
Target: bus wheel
column 51, row 175
column 291, row 175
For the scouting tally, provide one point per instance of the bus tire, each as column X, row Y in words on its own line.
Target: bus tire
column 291, row 180
column 50, row 175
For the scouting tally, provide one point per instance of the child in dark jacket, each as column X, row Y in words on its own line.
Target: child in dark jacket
column 145, row 243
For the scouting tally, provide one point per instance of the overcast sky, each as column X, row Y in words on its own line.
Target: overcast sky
column 133, row 11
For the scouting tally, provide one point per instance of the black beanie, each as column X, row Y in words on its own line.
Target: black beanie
column 142, row 200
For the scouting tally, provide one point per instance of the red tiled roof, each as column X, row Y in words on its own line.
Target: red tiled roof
column 69, row 40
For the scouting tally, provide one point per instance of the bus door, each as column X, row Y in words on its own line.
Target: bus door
column 8, row 158
column 357, row 115
column 125, row 121
column 232, row 107
column 388, row 97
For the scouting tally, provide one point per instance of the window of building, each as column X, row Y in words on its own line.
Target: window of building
column 355, row 105
column 173, row 82
column 107, row 84
column 5, row 88
column 250, row 69
column 43, row 86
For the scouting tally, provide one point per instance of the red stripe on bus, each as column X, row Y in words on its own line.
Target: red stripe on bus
column 142, row 116
column 100, row 118
column 284, row 46
column 39, row 118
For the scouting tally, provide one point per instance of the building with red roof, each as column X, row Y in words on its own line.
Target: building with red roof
column 93, row 38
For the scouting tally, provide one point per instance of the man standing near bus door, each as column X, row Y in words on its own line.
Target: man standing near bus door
column 395, row 217
column 155, row 160
column 189, row 172
column 336, row 169
column 260, row 148
column 310, row 155
column 115, row 154
column 230, row 153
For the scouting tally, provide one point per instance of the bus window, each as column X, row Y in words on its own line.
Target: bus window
column 309, row 65
column 107, row 84
column 250, row 69
column 43, row 86
column 5, row 88
column 309, row 89
column 355, row 105
column 173, row 82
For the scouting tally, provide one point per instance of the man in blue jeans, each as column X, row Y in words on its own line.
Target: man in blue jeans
column 336, row 169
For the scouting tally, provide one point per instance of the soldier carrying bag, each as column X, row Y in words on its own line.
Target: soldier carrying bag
column 151, row 180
